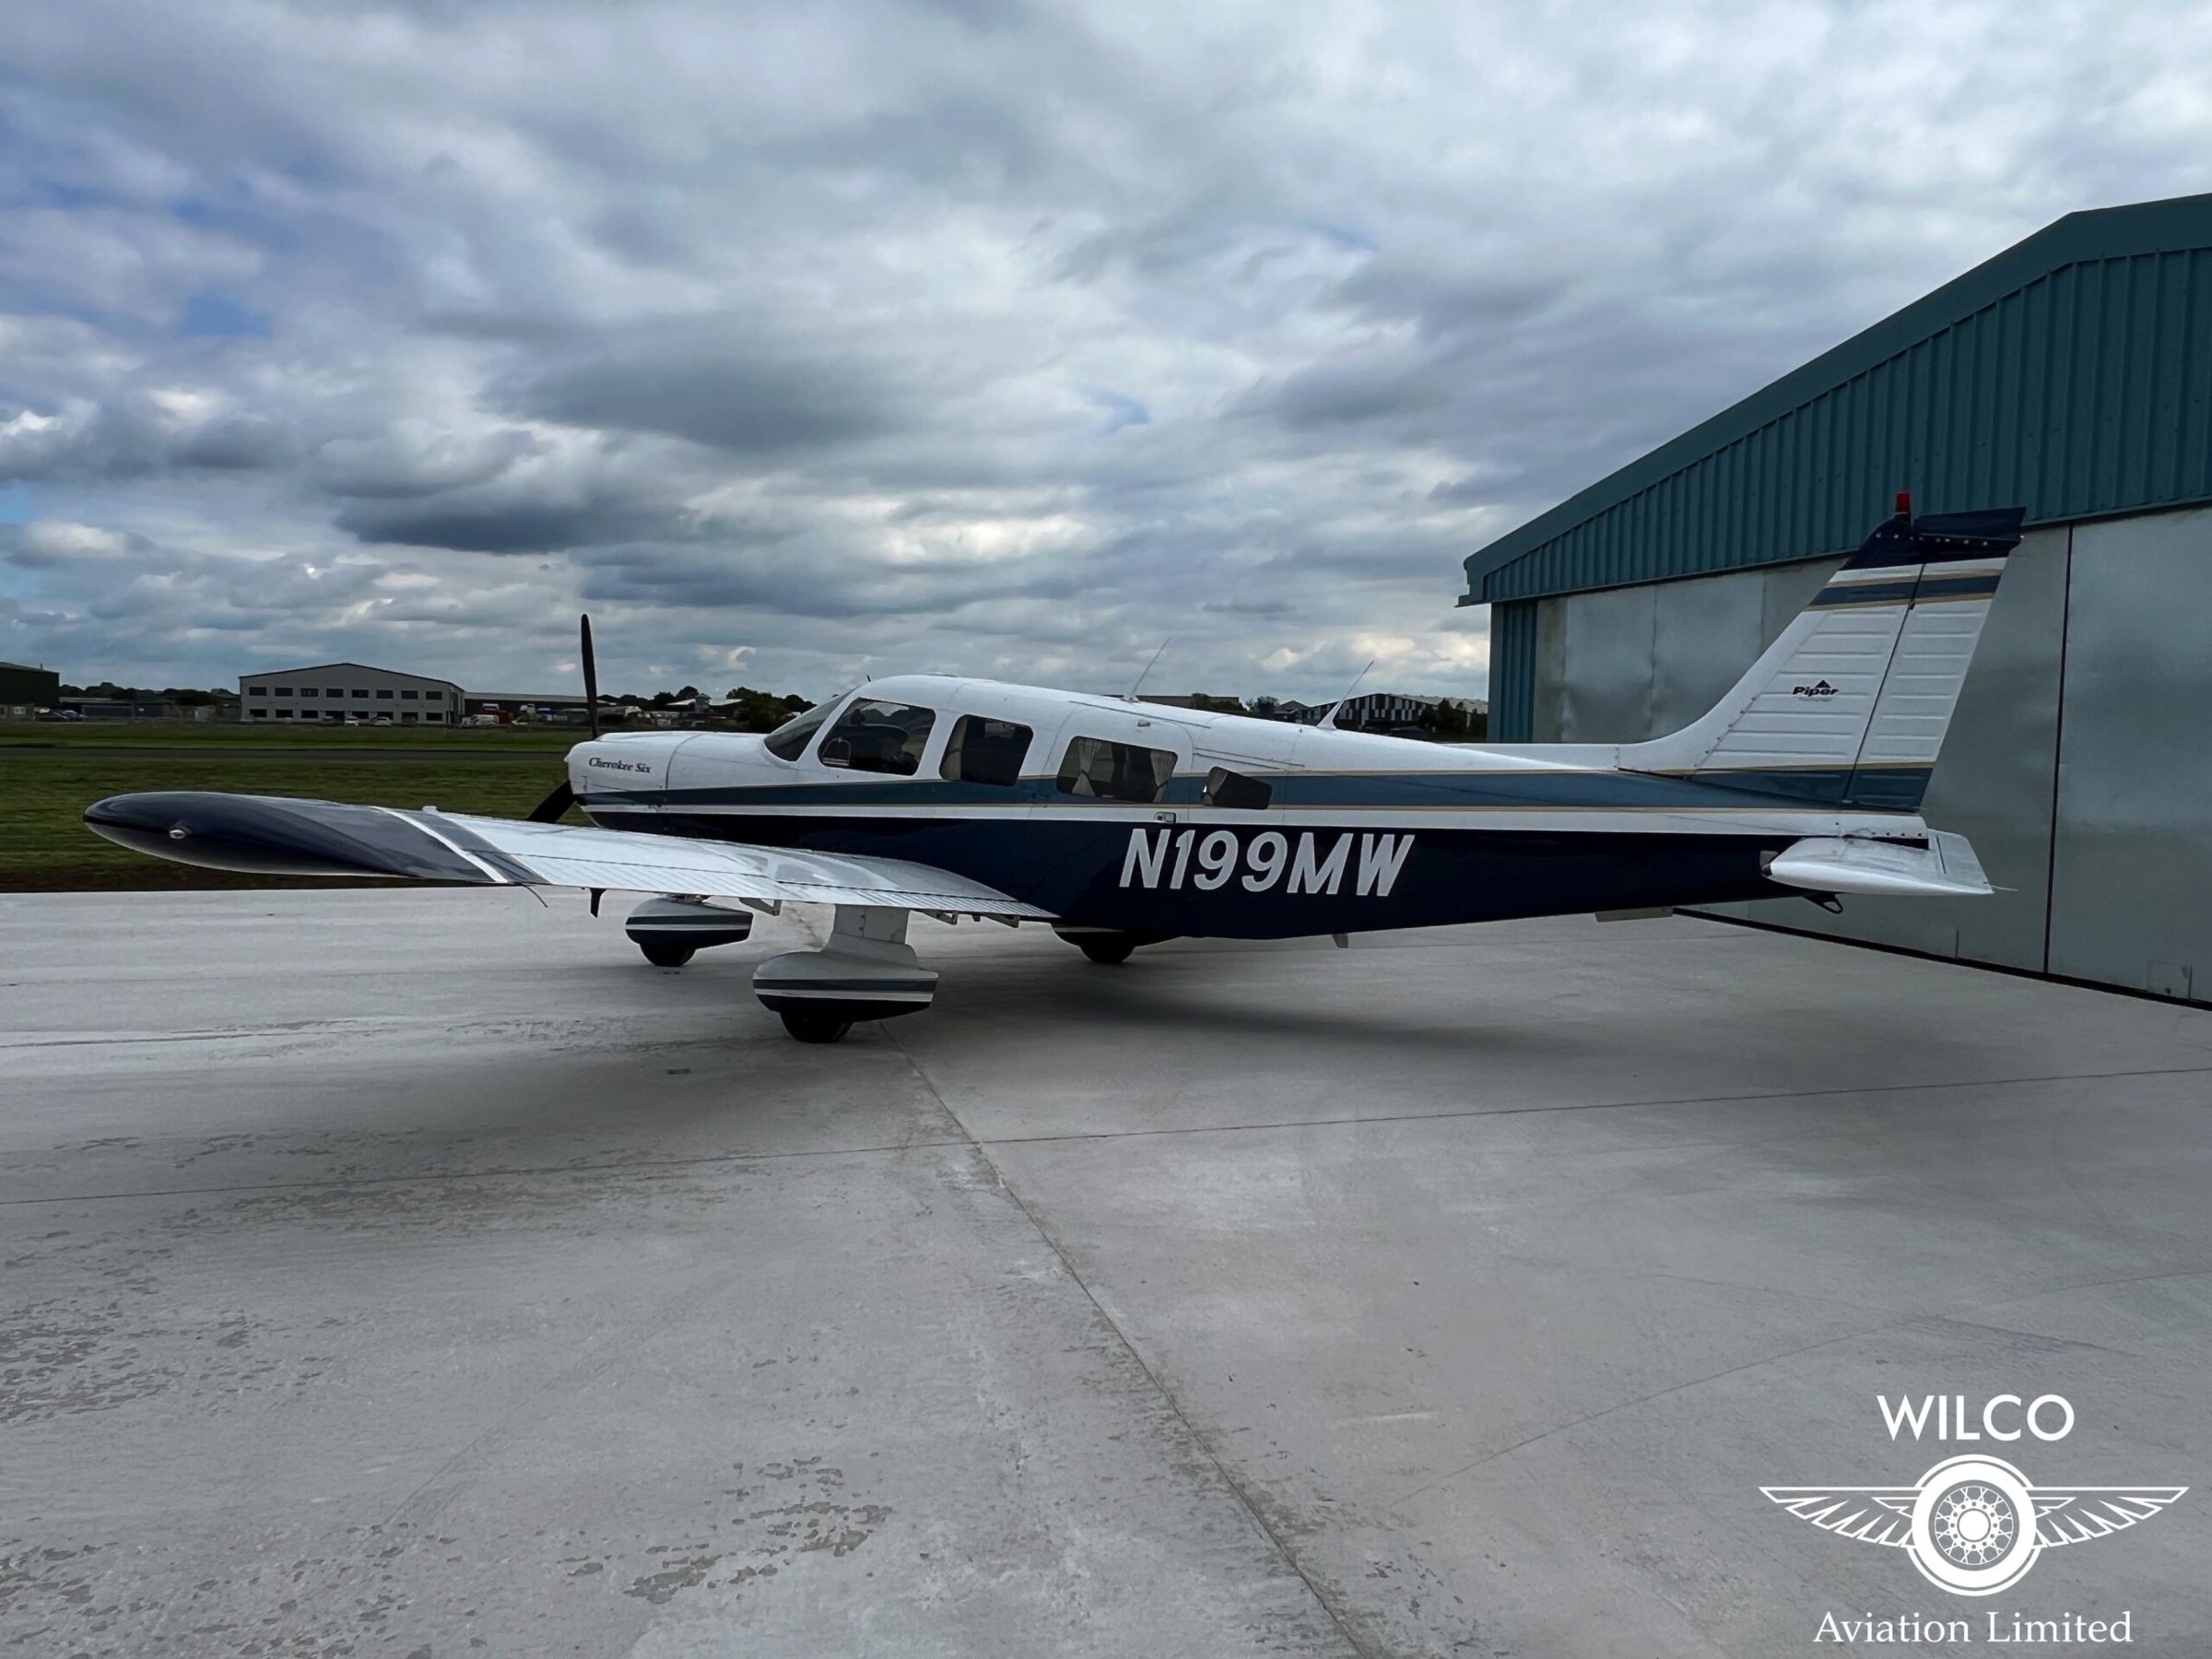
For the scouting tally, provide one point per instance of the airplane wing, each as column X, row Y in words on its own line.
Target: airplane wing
column 273, row 835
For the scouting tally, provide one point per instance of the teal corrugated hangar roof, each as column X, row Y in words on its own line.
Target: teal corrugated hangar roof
column 2071, row 374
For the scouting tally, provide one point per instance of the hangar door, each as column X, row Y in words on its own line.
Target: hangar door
column 2131, row 873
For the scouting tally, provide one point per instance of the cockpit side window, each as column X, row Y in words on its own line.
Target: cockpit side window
column 877, row 737
column 1227, row 788
column 982, row 750
column 788, row 741
column 1100, row 770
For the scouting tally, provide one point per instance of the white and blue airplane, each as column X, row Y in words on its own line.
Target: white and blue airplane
column 1124, row 823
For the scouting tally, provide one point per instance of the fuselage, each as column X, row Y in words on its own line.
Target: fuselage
column 1159, row 820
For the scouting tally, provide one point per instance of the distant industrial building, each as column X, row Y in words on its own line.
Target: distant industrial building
column 2072, row 374
column 527, row 705
column 1375, row 709
column 28, row 688
column 329, row 693
column 120, row 708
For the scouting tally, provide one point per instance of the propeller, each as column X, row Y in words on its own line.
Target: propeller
column 591, row 677
column 551, row 809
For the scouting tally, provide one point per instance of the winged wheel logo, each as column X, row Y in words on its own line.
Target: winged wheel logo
column 1974, row 1525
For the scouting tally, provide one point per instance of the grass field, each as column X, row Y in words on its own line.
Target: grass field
column 248, row 735
column 45, row 846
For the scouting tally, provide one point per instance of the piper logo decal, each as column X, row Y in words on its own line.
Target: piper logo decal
column 1209, row 859
column 1818, row 688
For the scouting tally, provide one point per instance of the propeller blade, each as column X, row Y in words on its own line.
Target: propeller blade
column 591, row 678
column 549, row 810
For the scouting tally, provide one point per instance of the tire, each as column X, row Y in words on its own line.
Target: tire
column 811, row 1025
column 1107, row 949
column 663, row 953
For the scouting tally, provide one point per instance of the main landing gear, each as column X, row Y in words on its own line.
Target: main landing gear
column 866, row 972
column 809, row 1024
column 1105, row 945
column 670, row 931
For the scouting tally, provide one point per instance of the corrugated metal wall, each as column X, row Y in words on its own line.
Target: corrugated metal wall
column 2088, row 391
column 1512, row 671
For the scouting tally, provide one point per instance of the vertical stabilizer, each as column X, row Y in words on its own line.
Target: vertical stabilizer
column 1850, row 705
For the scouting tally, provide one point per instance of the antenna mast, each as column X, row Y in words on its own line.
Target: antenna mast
column 1130, row 695
column 1328, row 721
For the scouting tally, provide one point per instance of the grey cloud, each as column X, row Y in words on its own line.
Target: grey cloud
column 715, row 382
column 43, row 544
column 233, row 443
column 132, row 438
column 499, row 524
column 957, row 141
column 817, row 580
column 1351, row 390
column 397, row 465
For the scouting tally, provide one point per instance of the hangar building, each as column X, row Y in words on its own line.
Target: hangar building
column 2071, row 374
column 23, row 686
column 330, row 691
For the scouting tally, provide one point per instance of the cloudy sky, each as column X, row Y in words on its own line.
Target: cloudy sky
column 802, row 342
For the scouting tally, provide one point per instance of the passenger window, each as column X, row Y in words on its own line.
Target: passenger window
column 874, row 736
column 1226, row 788
column 788, row 741
column 984, row 751
column 1114, row 772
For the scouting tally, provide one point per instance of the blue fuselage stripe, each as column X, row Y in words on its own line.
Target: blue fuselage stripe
column 1471, row 791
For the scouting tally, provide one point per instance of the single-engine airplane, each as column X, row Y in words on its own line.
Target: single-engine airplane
column 1124, row 823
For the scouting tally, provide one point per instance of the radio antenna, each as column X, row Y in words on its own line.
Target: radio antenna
column 1130, row 695
column 1328, row 721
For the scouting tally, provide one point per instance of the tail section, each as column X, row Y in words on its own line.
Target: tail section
column 1850, row 705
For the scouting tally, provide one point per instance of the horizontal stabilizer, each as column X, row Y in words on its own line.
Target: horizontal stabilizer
column 1946, row 866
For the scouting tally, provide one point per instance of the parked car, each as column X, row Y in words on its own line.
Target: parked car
column 61, row 715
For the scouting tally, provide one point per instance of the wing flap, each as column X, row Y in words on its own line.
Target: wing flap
column 271, row 835
column 565, row 855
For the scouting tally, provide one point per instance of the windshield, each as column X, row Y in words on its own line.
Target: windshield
column 789, row 741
